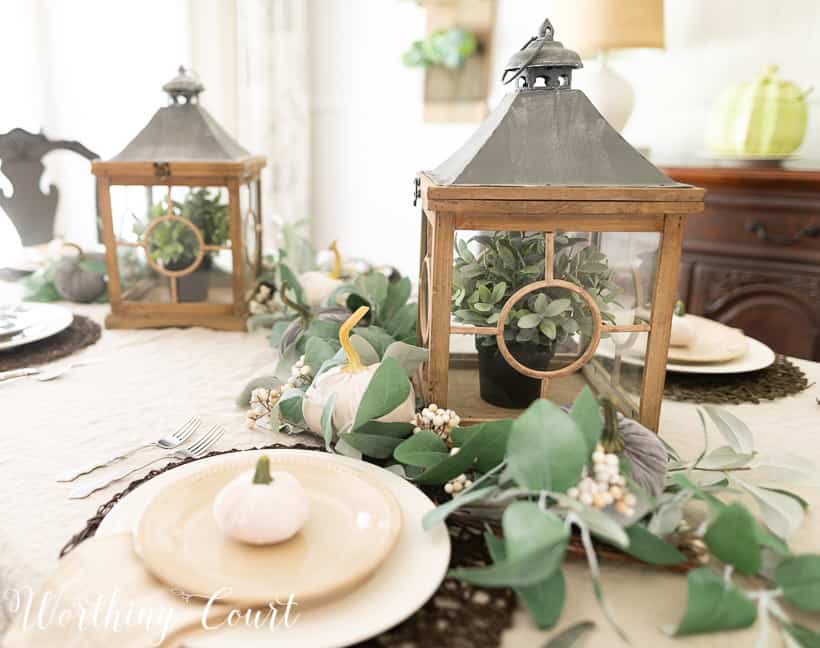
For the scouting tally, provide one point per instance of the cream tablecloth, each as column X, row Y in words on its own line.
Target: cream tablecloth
column 151, row 380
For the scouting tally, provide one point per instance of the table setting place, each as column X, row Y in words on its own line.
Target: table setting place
column 222, row 427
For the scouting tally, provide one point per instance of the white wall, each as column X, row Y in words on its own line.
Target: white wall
column 369, row 138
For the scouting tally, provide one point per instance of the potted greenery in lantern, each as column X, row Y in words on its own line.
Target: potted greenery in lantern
column 174, row 244
column 541, row 322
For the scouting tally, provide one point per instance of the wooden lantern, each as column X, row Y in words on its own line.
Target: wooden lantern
column 181, row 220
column 546, row 163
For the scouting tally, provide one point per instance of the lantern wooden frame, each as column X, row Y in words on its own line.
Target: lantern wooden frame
column 228, row 175
column 548, row 209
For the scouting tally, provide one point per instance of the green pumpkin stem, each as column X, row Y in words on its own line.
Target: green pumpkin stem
column 611, row 439
column 262, row 474
column 303, row 312
column 80, row 251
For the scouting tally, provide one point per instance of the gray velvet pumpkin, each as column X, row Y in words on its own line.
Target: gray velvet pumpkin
column 77, row 284
column 646, row 454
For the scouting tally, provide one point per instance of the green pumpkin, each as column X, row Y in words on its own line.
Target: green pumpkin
column 761, row 118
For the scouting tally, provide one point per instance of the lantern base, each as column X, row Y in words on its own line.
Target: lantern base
column 163, row 320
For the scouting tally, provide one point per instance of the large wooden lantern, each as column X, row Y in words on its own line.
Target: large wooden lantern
column 549, row 254
column 181, row 220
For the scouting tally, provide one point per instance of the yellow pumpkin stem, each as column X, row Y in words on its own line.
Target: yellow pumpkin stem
column 336, row 273
column 354, row 362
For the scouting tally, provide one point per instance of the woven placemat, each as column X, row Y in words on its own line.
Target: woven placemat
column 81, row 333
column 782, row 378
column 458, row 615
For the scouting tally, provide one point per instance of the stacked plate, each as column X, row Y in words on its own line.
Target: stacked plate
column 25, row 323
column 714, row 348
column 360, row 565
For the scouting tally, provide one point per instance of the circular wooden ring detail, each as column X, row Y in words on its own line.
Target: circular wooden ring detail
column 146, row 244
column 573, row 366
column 424, row 302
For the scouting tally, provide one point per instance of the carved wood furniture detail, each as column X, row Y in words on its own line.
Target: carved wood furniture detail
column 753, row 259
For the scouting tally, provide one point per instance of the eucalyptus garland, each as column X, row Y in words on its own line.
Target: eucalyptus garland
column 554, row 478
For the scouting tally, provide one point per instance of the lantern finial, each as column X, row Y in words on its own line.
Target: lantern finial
column 185, row 84
column 543, row 62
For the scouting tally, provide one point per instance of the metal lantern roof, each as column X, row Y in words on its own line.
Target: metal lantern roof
column 547, row 133
column 183, row 130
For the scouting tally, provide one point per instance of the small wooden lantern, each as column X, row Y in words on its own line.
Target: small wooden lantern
column 181, row 217
column 574, row 253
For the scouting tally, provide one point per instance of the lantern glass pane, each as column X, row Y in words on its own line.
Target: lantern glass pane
column 554, row 324
column 173, row 244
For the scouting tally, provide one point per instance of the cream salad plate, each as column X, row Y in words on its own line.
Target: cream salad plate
column 400, row 585
column 24, row 323
column 353, row 524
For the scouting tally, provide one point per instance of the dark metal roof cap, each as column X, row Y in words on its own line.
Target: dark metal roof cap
column 548, row 137
column 542, row 52
column 183, row 130
column 185, row 84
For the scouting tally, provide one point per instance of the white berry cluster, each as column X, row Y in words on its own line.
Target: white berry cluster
column 437, row 419
column 262, row 403
column 300, row 374
column 607, row 487
column 263, row 300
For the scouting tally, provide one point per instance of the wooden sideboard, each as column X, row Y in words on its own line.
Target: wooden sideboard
column 752, row 259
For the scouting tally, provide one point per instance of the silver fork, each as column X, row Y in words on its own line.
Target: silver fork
column 194, row 451
column 166, row 442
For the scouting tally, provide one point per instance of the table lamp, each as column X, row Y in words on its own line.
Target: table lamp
column 597, row 27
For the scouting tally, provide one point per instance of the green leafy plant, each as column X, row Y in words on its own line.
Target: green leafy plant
column 448, row 48
column 507, row 261
column 173, row 243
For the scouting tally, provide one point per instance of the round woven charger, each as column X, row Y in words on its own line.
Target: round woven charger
column 82, row 332
column 456, row 616
column 780, row 379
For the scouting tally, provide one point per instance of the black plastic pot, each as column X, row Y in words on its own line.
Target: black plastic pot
column 503, row 386
column 191, row 287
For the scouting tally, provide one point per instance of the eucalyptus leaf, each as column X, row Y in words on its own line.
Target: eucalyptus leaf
column 735, row 431
column 801, row 636
column 441, row 512
column 317, row 352
column 528, row 570
column 669, row 514
column 781, row 513
column 398, row 292
column 529, row 321
column 424, row 449
column 799, row 579
column 712, row 604
column 408, row 356
column 546, row 450
column 371, row 443
column 403, row 322
column 290, row 406
column 347, row 450
column 544, row 600
column 528, row 528
column 587, row 416
column 648, row 547
column 732, row 539
column 785, row 468
column 267, row 382
column 388, row 388
column 378, row 338
column 725, row 457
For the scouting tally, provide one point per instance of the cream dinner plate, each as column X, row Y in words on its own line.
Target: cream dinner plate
column 354, row 523
column 25, row 323
column 409, row 576
column 758, row 356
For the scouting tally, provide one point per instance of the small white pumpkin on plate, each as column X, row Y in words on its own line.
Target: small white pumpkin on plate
column 683, row 331
column 349, row 382
column 260, row 507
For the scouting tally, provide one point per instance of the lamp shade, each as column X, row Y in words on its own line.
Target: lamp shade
column 593, row 26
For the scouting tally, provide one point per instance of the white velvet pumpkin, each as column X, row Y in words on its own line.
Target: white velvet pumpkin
column 349, row 382
column 261, row 513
